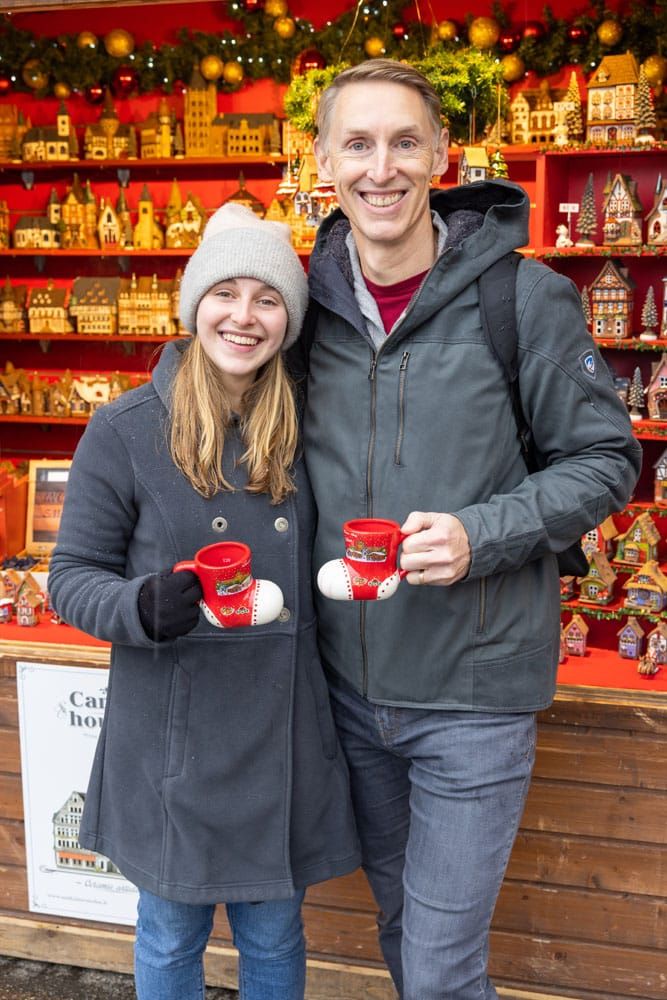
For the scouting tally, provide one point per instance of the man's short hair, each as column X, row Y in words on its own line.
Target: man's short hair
column 378, row 71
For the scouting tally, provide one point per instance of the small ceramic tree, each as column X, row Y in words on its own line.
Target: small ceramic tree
column 649, row 317
column 586, row 305
column 587, row 219
column 498, row 165
column 645, row 120
column 636, row 395
column 574, row 118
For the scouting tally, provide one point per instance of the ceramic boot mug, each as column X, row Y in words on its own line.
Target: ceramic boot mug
column 231, row 596
column 369, row 571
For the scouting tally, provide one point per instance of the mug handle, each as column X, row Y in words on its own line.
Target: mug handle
column 185, row 564
column 402, row 573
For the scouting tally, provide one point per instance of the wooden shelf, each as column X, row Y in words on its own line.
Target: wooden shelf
column 89, row 338
column 95, row 252
column 646, row 250
column 172, row 163
column 45, row 419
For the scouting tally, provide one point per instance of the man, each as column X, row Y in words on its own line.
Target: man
column 408, row 417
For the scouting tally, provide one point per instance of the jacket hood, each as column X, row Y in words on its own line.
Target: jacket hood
column 485, row 221
column 165, row 370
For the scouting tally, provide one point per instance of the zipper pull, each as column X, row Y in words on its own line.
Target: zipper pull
column 404, row 361
column 371, row 372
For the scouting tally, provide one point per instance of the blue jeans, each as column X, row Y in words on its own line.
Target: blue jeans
column 172, row 937
column 438, row 796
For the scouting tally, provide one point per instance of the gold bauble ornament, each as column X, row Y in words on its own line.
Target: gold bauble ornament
column 446, row 31
column 609, row 32
column 284, row 27
column 119, row 43
column 275, row 8
column 62, row 90
column 374, row 47
column 232, row 73
column 34, row 75
column 655, row 69
column 484, row 32
column 86, row 40
column 211, row 67
column 513, row 67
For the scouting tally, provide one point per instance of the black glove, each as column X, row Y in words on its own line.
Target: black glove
column 169, row 604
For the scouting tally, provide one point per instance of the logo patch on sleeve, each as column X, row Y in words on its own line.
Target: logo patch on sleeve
column 588, row 364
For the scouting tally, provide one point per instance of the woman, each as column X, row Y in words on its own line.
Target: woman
column 217, row 777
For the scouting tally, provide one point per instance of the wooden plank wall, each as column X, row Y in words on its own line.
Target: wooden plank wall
column 582, row 911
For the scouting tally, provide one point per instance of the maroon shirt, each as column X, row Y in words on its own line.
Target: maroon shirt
column 392, row 299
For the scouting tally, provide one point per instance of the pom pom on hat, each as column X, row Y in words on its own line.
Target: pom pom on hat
column 237, row 244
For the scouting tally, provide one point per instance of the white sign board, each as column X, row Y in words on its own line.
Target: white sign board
column 60, row 717
column 568, row 206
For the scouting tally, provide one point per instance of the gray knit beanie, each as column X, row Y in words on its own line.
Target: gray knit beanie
column 237, row 244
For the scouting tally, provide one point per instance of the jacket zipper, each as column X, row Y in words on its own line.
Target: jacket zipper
column 482, row 605
column 369, row 513
column 402, row 378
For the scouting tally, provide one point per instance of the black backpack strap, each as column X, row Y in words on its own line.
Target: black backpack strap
column 497, row 307
column 298, row 355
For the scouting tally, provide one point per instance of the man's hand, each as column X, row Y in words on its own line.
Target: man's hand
column 437, row 551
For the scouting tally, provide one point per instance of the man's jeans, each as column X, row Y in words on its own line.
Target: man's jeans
column 171, row 938
column 438, row 796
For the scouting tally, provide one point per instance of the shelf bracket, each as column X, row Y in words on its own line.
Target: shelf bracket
column 124, row 264
column 39, row 261
column 28, row 179
column 45, row 345
column 123, row 175
column 129, row 348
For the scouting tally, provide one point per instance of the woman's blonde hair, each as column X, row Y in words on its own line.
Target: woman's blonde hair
column 201, row 414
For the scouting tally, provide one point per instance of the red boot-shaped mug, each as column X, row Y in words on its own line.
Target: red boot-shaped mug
column 369, row 571
column 231, row 596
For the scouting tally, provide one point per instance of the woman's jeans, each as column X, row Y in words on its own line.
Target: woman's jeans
column 438, row 796
column 172, row 937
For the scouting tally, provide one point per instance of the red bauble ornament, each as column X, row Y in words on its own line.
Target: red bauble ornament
column 398, row 30
column 534, row 30
column 309, row 59
column 5, row 85
column 179, row 87
column 124, row 81
column 577, row 34
column 94, row 93
column 252, row 5
column 510, row 39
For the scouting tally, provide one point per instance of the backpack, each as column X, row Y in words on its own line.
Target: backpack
column 497, row 306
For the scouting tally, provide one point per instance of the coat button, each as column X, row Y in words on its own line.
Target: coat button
column 281, row 524
column 219, row 524
column 284, row 615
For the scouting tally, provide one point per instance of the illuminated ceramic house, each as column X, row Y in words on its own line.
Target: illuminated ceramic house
column 612, row 93
column 94, row 305
column 575, row 635
column 639, row 544
column 473, row 164
column 599, row 539
column 656, row 643
column 622, row 212
column 535, row 113
column 51, row 142
column 630, row 640
column 656, row 220
column 597, row 587
column 660, row 481
column 656, row 390
column 202, row 124
column 646, row 590
column 612, row 301
column 12, row 307
column 48, row 310
column 109, row 138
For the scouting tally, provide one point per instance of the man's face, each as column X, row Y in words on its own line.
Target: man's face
column 381, row 154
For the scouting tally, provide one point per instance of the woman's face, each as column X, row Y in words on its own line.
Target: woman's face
column 241, row 324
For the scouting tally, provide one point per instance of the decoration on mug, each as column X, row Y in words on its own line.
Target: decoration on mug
column 369, row 570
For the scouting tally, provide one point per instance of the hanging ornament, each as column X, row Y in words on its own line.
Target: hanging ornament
column 233, row 73
column 5, row 85
column 609, row 32
column 179, row 88
column 447, row 31
column 307, row 60
column 577, row 34
column 513, row 67
column 534, row 30
column 62, row 90
column 284, row 27
column 374, row 47
column 124, row 81
column 399, row 30
column 251, row 6
column 509, row 39
column 275, row 8
column 94, row 93
column 34, row 75
column 211, row 67
column 119, row 43
column 483, row 32
column 655, row 68
column 86, row 40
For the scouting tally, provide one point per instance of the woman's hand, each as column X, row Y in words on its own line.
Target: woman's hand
column 169, row 604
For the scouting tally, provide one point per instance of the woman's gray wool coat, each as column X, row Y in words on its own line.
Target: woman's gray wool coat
column 218, row 776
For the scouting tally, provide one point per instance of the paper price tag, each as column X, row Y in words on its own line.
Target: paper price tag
column 568, row 206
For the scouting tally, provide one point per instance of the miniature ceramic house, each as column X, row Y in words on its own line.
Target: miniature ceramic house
column 27, row 608
column 622, row 212
column 10, row 581
column 656, row 643
column 612, row 98
column 202, row 125
column 535, row 113
column 597, row 587
column 630, row 640
column 147, row 234
column 148, row 305
column 639, row 544
column 12, row 307
column 108, row 226
column 51, row 142
column 185, row 221
column 656, row 220
column 575, row 634
column 612, row 300
column 36, row 232
column 566, row 588
column 660, row 481
column 157, row 133
column 47, row 310
column 473, row 164
column 78, row 217
column 646, row 589
column 656, row 390
column 109, row 139
column 94, row 305
column 599, row 539
column 6, row 609
column 257, row 134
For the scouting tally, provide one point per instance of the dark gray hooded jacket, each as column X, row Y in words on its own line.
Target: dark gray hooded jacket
column 218, row 776
column 425, row 423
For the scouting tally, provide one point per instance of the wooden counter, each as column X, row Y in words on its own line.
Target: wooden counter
column 583, row 909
